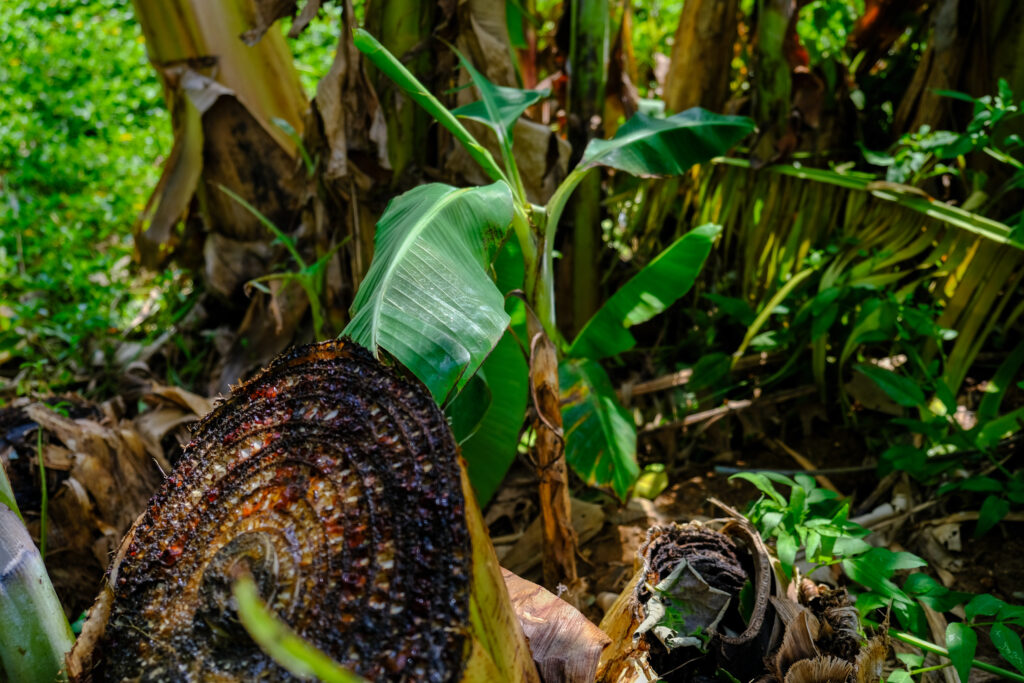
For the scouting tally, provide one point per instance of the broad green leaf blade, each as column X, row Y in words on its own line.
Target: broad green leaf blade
column 489, row 452
column 427, row 299
column 501, row 106
column 646, row 146
column 1008, row 644
column 992, row 512
column 600, row 437
column 901, row 389
column 466, row 411
column 663, row 281
column 961, row 641
column 983, row 605
column 279, row 641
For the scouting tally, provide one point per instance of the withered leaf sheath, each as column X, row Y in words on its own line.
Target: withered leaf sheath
column 336, row 484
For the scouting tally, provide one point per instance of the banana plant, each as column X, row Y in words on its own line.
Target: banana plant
column 436, row 297
column 34, row 633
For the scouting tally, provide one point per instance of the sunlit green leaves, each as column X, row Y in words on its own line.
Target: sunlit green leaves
column 600, row 437
column 961, row 641
column 84, row 120
column 656, row 287
column 647, row 146
column 427, row 298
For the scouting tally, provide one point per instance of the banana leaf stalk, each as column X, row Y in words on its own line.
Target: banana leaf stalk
column 34, row 633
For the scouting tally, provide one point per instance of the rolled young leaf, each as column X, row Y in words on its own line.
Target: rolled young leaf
column 336, row 485
column 427, row 299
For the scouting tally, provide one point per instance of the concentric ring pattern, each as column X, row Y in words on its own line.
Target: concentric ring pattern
column 336, row 485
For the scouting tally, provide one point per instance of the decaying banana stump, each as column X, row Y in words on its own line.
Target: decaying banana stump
column 707, row 598
column 336, row 484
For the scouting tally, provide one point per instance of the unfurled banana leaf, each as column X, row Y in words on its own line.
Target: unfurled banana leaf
column 645, row 295
column 492, row 447
column 466, row 411
column 427, row 299
column 646, row 146
column 600, row 437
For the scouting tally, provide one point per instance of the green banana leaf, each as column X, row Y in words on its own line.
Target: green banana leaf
column 500, row 107
column 466, row 411
column 647, row 146
column 490, row 450
column 427, row 299
column 660, row 284
column 600, row 437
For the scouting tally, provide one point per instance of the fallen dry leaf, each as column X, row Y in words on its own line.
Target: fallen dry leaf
column 565, row 645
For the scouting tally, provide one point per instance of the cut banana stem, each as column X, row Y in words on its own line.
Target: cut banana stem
column 337, row 486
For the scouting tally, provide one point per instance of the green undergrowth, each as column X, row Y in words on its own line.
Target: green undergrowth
column 811, row 529
column 83, row 134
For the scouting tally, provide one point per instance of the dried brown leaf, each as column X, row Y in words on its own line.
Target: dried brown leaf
column 820, row 670
column 565, row 645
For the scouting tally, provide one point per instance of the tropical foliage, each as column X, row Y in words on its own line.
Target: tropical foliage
column 593, row 230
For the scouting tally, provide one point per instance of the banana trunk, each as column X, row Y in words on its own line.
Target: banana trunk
column 337, row 486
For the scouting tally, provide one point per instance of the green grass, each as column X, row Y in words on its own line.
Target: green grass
column 83, row 134
column 82, row 130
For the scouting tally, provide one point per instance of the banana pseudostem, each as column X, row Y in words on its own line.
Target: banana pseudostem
column 337, row 486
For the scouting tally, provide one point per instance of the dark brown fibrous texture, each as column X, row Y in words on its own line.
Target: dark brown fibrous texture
column 336, row 485
column 711, row 553
column 718, row 560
